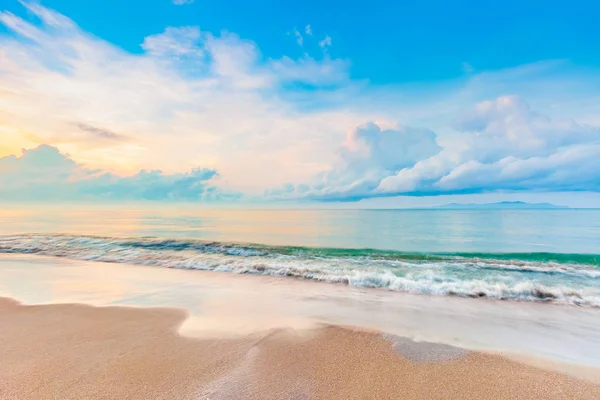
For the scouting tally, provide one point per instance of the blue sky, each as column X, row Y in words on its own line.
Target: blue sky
column 311, row 101
column 387, row 41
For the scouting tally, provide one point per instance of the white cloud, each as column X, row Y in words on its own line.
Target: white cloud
column 182, row 2
column 503, row 145
column 45, row 174
column 183, row 41
column 309, row 70
column 199, row 99
column 308, row 30
column 467, row 68
column 369, row 153
column 299, row 38
column 325, row 43
column 506, row 146
column 192, row 97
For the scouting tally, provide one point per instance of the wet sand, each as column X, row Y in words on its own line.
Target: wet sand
column 230, row 305
column 75, row 351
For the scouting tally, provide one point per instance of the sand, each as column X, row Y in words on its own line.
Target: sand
column 74, row 351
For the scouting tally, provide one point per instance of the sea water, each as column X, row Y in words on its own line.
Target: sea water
column 550, row 256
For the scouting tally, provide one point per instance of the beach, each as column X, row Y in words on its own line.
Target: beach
column 103, row 330
column 74, row 351
column 293, row 200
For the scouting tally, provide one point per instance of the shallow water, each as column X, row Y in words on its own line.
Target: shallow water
column 526, row 255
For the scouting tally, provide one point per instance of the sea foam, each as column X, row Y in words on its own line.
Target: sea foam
column 564, row 279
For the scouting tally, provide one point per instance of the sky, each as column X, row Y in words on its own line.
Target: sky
column 399, row 104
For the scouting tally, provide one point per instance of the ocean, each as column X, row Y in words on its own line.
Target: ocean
column 550, row 256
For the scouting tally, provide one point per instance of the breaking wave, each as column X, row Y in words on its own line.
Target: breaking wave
column 542, row 277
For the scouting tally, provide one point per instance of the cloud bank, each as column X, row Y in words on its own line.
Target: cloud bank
column 504, row 145
column 500, row 145
column 45, row 174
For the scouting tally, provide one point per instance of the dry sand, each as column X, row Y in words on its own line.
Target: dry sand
column 73, row 351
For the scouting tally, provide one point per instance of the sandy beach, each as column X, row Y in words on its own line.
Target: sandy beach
column 74, row 351
column 279, row 200
column 91, row 330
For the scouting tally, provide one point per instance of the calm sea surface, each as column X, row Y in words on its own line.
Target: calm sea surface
column 495, row 231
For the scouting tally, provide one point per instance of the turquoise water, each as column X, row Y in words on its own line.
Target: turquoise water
column 478, row 231
column 528, row 255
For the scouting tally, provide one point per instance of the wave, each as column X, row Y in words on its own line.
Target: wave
column 541, row 277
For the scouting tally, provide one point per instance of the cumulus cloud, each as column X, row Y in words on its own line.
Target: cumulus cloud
column 371, row 147
column 500, row 144
column 43, row 167
column 368, row 154
column 44, row 174
column 571, row 169
column 504, row 145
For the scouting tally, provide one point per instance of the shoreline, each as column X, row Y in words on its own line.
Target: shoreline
column 506, row 279
column 230, row 305
column 82, row 351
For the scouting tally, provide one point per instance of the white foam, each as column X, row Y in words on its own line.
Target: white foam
column 563, row 284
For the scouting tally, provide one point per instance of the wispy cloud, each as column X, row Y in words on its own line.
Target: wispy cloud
column 298, row 35
column 467, row 68
column 325, row 43
column 299, row 38
column 176, row 42
column 191, row 97
column 182, row 2
column 99, row 132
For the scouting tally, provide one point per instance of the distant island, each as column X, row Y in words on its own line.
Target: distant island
column 519, row 205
